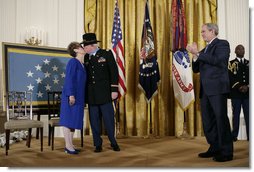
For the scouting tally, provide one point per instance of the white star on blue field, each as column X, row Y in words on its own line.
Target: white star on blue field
column 36, row 73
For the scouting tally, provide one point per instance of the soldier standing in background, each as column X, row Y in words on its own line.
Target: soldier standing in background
column 239, row 94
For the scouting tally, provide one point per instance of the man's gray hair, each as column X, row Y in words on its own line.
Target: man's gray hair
column 213, row 26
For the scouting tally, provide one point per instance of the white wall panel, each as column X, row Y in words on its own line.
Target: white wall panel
column 7, row 31
column 62, row 20
column 221, row 13
column 22, row 19
column 32, row 13
column 7, row 20
column 238, row 26
column 51, row 22
column 233, row 21
column 80, row 20
column 67, row 23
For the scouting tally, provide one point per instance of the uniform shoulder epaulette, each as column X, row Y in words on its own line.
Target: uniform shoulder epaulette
column 109, row 50
column 104, row 50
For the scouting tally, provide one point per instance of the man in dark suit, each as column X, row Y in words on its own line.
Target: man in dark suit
column 102, row 89
column 239, row 82
column 212, row 64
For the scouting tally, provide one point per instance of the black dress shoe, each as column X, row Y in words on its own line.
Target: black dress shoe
column 222, row 158
column 98, row 149
column 207, row 154
column 235, row 139
column 115, row 147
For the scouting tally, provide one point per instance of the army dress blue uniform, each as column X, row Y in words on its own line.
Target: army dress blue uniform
column 71, row 116
column 239, row 76
column 102, row 81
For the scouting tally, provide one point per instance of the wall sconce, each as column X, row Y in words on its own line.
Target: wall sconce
column 35, row 36
column 33, row 41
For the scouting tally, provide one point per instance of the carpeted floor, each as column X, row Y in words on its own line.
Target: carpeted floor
column 164, row 152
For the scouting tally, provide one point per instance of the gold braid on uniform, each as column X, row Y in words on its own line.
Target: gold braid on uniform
column 114, row 85
column 233, row 67
column 235, row 84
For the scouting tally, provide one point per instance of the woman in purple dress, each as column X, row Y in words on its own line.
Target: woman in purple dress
column 73, row 96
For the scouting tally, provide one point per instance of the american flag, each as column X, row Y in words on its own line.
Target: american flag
column 117, row 49
column 37, row 72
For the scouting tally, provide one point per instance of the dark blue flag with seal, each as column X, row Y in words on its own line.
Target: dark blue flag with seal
column 149, row 75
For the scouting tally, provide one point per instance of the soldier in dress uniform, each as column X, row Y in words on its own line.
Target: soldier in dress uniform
column 102, row 89
column 239, row 82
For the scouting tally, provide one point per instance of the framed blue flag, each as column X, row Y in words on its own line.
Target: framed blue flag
column 35, row 69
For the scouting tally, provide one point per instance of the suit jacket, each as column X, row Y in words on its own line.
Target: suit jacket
column 213, row 68
column 102, row 74
column 238, row 76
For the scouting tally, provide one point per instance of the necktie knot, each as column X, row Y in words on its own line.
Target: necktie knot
column 206, row 48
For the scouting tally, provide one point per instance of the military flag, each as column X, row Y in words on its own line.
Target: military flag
column 149, row 74
column 181, row 65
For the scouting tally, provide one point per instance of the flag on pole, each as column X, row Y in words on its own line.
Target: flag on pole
column 181, row 67
column 149, row 74
column 118, row 50
column 182, row 79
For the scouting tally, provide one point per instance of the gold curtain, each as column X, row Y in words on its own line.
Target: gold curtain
column 167, row 116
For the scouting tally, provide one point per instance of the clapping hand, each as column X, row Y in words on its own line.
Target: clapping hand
column 192, row 48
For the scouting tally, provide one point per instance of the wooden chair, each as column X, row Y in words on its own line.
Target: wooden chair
column 18, row 104
column 54, row 104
